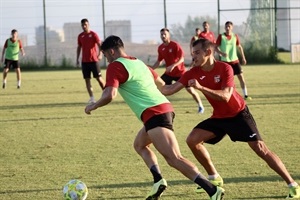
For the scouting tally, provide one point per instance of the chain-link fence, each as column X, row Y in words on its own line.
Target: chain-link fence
column 49, row 28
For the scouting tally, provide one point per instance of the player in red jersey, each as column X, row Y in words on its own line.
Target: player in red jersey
column 206, row 33
column 172, row 53
column 229, row 43
column 138, row 86
column 230, row 116
column 90, row 44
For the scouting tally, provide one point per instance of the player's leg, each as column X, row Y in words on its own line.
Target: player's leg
column 195, row 142
column 86, row 72
column 16, row 66
column 166, row 143
column 5, row 71
column 197, row 98
column 97, row 75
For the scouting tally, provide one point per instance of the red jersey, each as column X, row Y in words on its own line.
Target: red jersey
column 219, row 77
column 208, row 35
column 219, row 40
column 117, row 74
column 171, row 53
column 88, row 42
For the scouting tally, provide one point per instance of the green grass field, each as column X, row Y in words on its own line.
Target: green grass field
column 46, row 139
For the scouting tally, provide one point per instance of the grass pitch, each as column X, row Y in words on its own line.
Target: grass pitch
column 46, row 139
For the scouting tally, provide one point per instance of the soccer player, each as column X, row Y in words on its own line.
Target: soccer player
column 11, row 50
column 138, row 85
column 172, row 53
column 206, row 33
column 228, row 43
column 231, row 115
column 194, row 38
column 90, row 44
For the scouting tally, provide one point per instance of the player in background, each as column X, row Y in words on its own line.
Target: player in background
column 90, row 44
column 172, row 53
column 11, row 50
column 194, row 38
column 228, row 42
column 231, row 115
column 138, row 85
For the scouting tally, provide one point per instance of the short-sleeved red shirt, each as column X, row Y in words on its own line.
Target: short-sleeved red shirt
column 116, row 74
column 208, row 35
column 219, row 77
column 88, row 42
column 171, row 53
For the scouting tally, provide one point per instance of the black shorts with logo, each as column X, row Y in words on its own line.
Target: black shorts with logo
column 11, row 64
column 88, row 67
column 241, row 128
column 164, row 120
column 237, row 68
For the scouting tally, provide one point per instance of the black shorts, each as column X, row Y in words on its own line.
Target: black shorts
column 168, row 79
column 88, row 67
column 237, row 68
column 241, row 128
column 164, row 120
column 11, row 64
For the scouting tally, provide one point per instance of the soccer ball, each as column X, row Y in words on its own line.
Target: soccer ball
column 75, row 190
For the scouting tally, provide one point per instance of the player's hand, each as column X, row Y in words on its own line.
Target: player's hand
column 194, row 83
column 244, row 62
column 77, row 64
column 169, row 69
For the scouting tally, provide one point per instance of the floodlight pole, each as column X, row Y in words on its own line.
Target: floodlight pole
column 45, row 35
column 165, row 13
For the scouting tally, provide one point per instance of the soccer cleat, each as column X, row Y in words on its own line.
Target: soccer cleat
column 247, row 98
column 217, row 182
column 200, row 109
column 157, row 190
column 294, row 192
column 18, row 87
column 218, row 195
column 3, row 86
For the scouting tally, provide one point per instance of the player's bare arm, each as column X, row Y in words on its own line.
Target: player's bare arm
column 220, row 95
column 77, row 54
column 171, row 67
column 109, row 93
column 241, row 50
column 100, row 52
column 171, row 89
column 159, row 83
column 156, row 64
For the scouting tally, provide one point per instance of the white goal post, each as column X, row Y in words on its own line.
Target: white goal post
column 295, row 53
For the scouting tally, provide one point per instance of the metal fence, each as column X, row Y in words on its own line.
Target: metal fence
column 49, row 28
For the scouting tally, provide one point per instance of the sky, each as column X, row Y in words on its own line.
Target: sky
column 146, row 16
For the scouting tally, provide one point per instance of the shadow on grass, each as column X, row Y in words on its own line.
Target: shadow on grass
column 170, row 183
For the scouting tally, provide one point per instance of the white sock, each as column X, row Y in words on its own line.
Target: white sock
column 4, row 81
column 214, row 176
column 293, row 184
column 19, row 82
column 245, row 92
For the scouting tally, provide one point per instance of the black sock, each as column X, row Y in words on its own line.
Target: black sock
column 156, row 173
column 206, row 185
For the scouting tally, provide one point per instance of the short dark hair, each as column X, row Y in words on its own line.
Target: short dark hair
column 112, row 42
column 229, row 23
column 197, row 29
column 84, row 20
column 13, row 31
column 164, row 29
column 205, row 44
column 205, row 22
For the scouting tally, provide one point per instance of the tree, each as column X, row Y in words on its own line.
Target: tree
column 184, row 33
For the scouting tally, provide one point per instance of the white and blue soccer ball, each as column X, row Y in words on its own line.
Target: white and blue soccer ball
column 75, row 190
